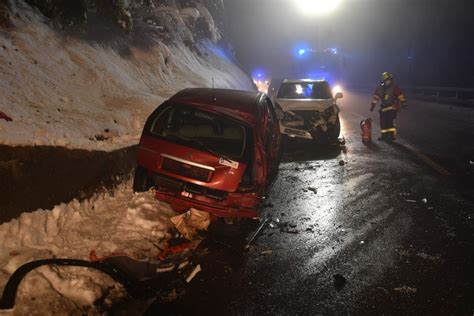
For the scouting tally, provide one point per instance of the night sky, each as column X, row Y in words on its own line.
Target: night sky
column 424, row 42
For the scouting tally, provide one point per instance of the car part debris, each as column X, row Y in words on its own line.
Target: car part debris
column 193, row 273
column 405, row 289
column 5, row 117
column 9, row 292
column 191, row 221
column 258, row 232
column 139, row 277
column 314, row 190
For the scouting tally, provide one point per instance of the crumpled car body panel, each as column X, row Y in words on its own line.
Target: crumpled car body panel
column 305, row 118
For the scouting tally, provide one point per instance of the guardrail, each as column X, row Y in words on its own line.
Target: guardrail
column 449, row 95
column 451, row 92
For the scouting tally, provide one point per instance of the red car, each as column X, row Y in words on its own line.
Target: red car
column 216, row 150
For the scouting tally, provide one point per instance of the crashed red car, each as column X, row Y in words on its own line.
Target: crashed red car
column 216, row 150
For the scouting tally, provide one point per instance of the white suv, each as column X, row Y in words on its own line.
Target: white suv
column 308, row 109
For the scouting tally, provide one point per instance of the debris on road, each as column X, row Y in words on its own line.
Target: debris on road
column 342, row 141
column 191, row 221
column 426, row 256
column 362, row 242
column 342, row 162
column 405, row 289
column 191, row 276
column 339, row 282
column 5, row 117
column 257, row 233
column 410, row 201
column 176, row 246
column 65, row 99
column 424, row 200
column 314, row 190
column 266, row 253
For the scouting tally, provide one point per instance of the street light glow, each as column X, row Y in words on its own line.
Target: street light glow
column 317, row 6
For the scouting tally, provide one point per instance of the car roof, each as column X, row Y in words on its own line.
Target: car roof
column 221, row 99
column 304, row 80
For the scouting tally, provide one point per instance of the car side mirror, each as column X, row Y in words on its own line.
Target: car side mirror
column 339, row 95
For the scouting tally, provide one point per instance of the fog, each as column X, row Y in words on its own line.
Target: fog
column 423, row 42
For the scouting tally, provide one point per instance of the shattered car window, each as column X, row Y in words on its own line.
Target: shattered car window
column 305, row 90
column 201, row 130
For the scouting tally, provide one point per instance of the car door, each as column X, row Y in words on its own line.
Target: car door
column 272, row 137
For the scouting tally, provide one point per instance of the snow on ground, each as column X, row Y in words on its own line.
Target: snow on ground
column 118, row 222
column 66, row 92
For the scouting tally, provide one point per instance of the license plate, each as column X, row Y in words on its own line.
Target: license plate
column 186, row 194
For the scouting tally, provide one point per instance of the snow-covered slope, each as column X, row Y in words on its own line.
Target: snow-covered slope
column 62, row 91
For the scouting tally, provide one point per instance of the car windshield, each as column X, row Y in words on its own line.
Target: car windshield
column 202, row 130
column 305, row 90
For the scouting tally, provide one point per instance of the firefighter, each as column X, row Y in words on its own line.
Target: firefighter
column 391, row 97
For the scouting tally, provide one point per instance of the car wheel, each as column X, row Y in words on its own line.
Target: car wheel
column 141, row 180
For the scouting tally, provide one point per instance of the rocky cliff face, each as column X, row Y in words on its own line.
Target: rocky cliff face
column 189, row 20
column 85, row 74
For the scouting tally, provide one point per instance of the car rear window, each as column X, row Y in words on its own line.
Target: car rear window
column 202, row 130
column 305, row 90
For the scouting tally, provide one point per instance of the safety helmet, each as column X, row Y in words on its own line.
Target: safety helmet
column 387, row 76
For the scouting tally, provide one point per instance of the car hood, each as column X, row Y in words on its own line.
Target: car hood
column 301, row 104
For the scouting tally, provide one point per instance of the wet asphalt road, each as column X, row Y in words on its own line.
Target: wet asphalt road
column 365, row 220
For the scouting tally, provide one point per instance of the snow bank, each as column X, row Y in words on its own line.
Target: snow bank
column 122, row 222
column 66, row 92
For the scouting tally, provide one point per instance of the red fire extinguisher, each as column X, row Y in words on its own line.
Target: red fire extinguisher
column 366, row 127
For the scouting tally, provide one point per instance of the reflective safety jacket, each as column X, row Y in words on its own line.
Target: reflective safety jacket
column 392, row 97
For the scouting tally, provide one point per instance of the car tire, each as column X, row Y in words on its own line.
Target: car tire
column 141, row 180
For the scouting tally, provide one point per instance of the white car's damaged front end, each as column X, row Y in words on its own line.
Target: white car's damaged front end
column 305, row 117
column 312, row 121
